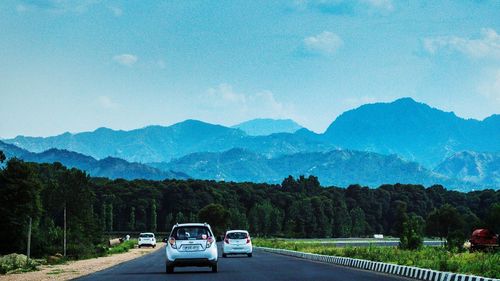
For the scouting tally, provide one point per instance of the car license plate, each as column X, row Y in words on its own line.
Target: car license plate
column 191, row 247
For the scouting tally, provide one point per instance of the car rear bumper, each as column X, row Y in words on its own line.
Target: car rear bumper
column 237, row 249
column 192, row 262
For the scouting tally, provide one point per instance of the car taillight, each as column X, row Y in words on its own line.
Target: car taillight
column 210, row 241
column 226, row 240
column 248, row 239
column 171, row 241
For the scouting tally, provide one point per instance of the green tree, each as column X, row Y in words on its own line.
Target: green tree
column 168, row 222
column 447, row 223
column 179, row 218
column 131, row 222
column 215, row 215
column 493, row 218
column 358, row 222
column 109, row 217
column 412, row 234
column 19, row 200
column 400, row 216
column 342, row 223
column 153, row 217
column 238, row 220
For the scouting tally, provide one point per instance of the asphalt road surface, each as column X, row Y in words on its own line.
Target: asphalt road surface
column 262, row 266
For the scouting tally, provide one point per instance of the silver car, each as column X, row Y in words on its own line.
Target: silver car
column 191, row 244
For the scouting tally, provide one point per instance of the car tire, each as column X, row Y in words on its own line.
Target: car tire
column 154, row 246
column 140, row 246
column 214, row 268
column 169, row 269
column 224, row 255
column 249, row 255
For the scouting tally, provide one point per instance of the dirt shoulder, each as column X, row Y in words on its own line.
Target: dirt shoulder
column 74, row 269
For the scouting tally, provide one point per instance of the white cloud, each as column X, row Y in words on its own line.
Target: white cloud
column 125, row 59
column 325, row 43
column 486, row 46
column 106, row 102
column 117, row 11
column 230, row 106
column 353, row 102
column 384, row 5
column 161, row 64
column 490, row 87
column 57, row 6
column 22, row 8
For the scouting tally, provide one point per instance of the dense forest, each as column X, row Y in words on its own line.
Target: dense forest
column 295, row 208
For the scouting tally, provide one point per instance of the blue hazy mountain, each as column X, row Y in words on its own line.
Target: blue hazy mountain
column 474, row 167
column 159, row 143
column 108, row 167
column 336, row 167
column 266, row 126
column 413, row 130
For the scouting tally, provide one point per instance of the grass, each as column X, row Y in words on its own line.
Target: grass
column 123, row 247
column 437, row 258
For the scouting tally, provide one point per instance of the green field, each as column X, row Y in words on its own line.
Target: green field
column 437, row 258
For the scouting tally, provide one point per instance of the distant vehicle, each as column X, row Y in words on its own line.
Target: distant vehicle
column 237, row 242
column 483, row 239
column 191, row 244
column 147, row 239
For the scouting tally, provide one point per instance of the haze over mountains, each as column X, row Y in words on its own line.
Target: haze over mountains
column 402, row 141
column 266, row 126
column 109, row 167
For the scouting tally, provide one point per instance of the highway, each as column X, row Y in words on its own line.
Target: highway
column 262, row 266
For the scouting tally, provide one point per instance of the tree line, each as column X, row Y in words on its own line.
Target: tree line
column 299, row 207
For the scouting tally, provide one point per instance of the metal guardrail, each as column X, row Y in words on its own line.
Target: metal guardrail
column 388, row 268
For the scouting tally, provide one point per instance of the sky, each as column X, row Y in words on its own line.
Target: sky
column 68, row 65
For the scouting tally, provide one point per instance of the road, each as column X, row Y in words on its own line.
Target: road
column 262, row 266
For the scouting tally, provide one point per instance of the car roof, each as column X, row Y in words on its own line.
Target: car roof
column 192, row 224
column 236, row 230
column 146, row 233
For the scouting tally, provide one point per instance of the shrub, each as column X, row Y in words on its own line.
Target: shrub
column 16, row 262
column 123, row 247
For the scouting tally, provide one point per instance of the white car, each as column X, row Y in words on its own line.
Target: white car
column 191, row 244
column 237, row 242
column 147, row 239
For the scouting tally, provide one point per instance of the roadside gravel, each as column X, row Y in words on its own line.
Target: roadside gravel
column 74, row 269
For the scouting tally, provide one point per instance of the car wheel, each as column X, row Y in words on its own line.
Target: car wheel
column 224, row 255
column 249, row 255
column 154, row 246
column 214, row 268
column 140, row 246
column 169, row 269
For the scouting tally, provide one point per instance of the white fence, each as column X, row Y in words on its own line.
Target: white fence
column 400, row 270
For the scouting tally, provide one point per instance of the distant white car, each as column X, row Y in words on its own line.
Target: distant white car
column 237, row 242
column 147, row 239
column 191, row 244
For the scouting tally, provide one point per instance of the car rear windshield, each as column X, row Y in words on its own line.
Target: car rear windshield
column 191, row 233
column 237, row 235
column 146, row 235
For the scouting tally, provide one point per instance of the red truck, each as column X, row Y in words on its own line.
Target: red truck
column 484, row 239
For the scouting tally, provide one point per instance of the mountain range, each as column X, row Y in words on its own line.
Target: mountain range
column 109, row 167
column 402, row 141
column 336, row 167
column 266, row 126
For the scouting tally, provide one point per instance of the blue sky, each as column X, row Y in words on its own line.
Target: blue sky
column 68, row 65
